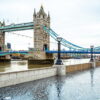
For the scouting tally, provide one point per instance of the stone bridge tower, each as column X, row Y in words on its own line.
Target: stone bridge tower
column 41, row 38
column 2, row 38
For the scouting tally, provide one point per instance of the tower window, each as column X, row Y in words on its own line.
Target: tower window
column 45, row 47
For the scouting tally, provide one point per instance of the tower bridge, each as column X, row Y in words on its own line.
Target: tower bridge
column 42, row 33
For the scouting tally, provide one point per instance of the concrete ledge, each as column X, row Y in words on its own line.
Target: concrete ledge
column 12, row 78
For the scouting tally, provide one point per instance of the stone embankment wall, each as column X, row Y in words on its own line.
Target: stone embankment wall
column 97, row 63
column 81, row 67
column 78, row 67
column 12, row 78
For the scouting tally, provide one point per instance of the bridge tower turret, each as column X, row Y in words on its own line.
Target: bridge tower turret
column 2, row 37
column 41, row 38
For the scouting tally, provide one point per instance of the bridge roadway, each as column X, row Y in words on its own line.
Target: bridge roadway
column 78, row 52
column 26, row 52
column 2, row 53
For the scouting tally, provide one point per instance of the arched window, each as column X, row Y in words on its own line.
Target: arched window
column 45, row 47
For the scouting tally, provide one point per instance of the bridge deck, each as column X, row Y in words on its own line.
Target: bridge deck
column 79, row 52
column 3, row 53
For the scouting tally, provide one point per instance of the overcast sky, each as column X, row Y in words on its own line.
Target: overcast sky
column 78, row 21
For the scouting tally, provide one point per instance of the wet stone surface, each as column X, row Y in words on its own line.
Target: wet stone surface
column 77, row 86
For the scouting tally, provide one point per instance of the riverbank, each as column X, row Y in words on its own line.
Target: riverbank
column 12, row 78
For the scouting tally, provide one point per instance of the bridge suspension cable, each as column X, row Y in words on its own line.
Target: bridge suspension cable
column 63, row 42
column 21, row 35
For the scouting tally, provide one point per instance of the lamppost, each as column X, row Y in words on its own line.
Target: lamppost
column 59, row 61
column 92, row 53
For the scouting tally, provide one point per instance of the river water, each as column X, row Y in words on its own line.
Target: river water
column 23, row 65
column 78, row 86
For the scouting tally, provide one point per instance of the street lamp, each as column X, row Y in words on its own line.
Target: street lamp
column 59, row 61
column 91, row 59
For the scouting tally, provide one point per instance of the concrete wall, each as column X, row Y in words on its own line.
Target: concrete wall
column 12, row 78
column 98, row 63
column 78, row 67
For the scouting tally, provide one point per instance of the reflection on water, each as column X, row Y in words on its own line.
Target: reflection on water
column 30, row 66
column 23, row 65
column 13, row 66
column 79, row 86
column 92, row 73
column 18, row 66
column 4, row 66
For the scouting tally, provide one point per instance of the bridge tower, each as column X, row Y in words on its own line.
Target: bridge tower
column 41, row 38
column 2, row 38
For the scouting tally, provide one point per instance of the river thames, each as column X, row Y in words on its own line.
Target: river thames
column 23, row 65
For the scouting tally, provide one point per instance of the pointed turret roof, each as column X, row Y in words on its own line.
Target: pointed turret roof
column 48, row 15
column 3, row 22
column 41, row 11
column 34, row 13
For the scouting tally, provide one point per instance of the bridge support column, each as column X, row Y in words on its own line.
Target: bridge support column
column 61, row 70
